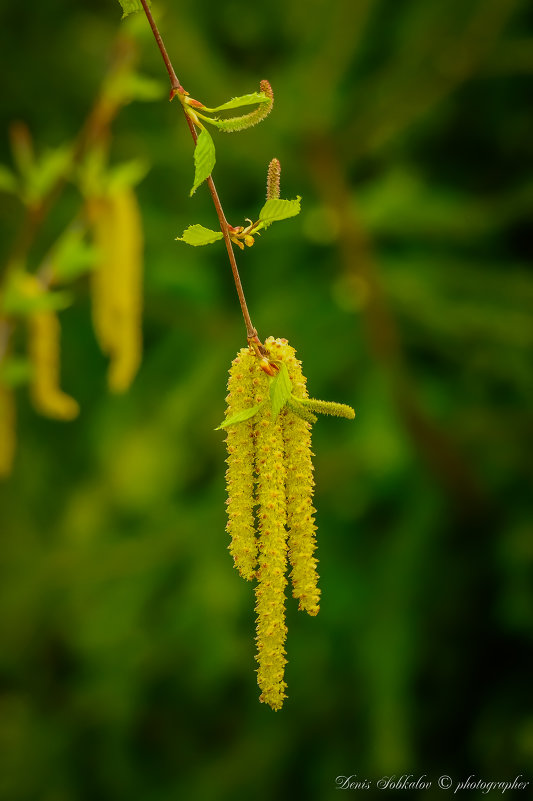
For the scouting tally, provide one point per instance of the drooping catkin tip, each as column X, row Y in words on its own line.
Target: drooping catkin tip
column 44, row 351
column 267, row 89
column 273, row 179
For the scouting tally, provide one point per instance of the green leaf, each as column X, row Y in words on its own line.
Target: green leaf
column 243, row 100
column 14, row 371
column 198, row 235
column 129, row 173
column 8, row 181
column 53, row 166
column 204, row 159
column 16, row 300
column 72, row 256
column 280, row 390
column 142, row 88
column 131, row 6
column 240, row 417
column 276, row 209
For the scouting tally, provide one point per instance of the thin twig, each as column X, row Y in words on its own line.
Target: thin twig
column 175, row 88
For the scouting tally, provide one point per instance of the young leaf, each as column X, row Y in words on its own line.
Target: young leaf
column 204, row 159
column 130, row 6
column 143, row 88
column 72, row 256
column 280, row 390
column 129, row 173
column 239, row 417
column 276, row 209
column 8, row 181
column 198, row 235
column 244, row 100
column 53, row 166
column 22, row 295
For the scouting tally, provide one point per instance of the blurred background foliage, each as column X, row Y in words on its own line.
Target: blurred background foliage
column 126, row 667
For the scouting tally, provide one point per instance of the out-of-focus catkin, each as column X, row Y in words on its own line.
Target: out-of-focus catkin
column 7, row 430
column 44, row 335
column 277, row 516
column 116, row 283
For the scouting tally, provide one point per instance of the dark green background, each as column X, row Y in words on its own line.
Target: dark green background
column 127, row 652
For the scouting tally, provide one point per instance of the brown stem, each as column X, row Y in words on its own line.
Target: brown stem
column 168, row 64
column 176, row 86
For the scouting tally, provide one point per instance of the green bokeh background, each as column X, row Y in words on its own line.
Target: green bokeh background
column 126, row 636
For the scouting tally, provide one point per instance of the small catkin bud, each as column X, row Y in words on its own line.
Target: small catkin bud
column 270, row 590
column 273, row 179
column 44, row 351
column 7, row 430
column 240, row 472
column 300, row 487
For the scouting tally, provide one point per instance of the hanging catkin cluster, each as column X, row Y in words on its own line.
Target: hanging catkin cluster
column 270, row 490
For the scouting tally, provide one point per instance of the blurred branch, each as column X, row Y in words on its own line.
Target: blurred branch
column 95, row 131
column 452, row 62
column 435, row 448
column 333, row 35
column 513, row 57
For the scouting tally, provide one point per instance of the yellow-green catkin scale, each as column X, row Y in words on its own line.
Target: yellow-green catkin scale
column 270, row 589
column 240, row 472
column 299, row 487
column 7, row 430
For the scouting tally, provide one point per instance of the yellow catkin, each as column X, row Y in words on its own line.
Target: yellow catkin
column 7, row 430
column 299, row 487
column 270, row 589
column 240, row 472
column 116, row 283
column 126, row 356
column 44, row 351
column 102, row 283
